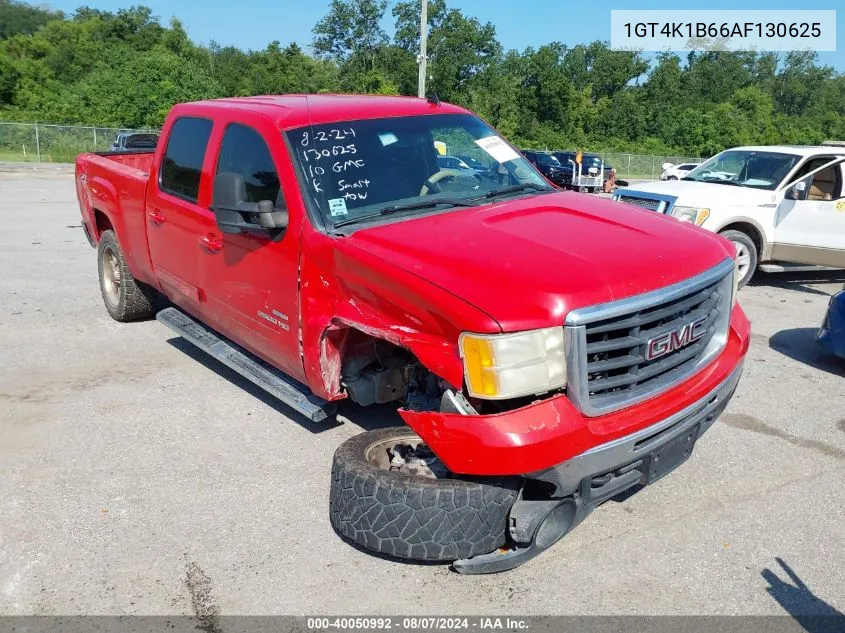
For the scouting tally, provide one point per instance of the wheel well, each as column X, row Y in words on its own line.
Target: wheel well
column 374, row 370
column 750, row 230
column 102, row 222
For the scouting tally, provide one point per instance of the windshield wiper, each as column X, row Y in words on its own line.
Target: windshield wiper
column 396, row 208
column 514, row 188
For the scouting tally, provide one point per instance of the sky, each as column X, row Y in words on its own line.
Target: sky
column 252, row 24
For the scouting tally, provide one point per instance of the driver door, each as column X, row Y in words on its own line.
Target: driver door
column 811, row 230
column 251, row 280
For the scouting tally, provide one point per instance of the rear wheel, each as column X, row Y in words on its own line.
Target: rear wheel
column 390, row 494
column 746, row 254
column 125, row 298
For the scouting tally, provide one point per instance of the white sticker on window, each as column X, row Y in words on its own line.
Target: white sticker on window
column 337, row 206
column 497, row 148
column 388, row 138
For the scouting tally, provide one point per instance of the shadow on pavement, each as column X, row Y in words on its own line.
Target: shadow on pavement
column 369, row 418
column 799, row 281
column 808, row 610
column 800, row 344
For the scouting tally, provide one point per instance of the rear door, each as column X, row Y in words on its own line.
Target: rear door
column 250, row 280
column 177, row 211
column 811, row 230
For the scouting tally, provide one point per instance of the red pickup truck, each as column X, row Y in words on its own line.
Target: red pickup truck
column 547, row 350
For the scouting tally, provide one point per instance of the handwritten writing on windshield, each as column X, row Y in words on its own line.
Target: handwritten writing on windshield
column 334, row 149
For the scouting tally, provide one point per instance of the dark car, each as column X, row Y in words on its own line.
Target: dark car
column 832, row 332
column 548, row 165
column 134, row 140
column 594, row 171
column 474, row 163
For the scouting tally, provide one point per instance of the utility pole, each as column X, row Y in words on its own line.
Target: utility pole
column 421, row 58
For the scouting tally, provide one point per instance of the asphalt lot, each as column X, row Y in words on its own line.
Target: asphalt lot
column 137, row 476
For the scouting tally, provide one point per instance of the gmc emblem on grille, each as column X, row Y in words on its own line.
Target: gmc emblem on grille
column 676, row 339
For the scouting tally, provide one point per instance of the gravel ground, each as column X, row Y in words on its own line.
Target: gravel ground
column 137, row 476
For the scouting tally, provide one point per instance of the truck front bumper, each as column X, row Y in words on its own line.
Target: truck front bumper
column 551, row 440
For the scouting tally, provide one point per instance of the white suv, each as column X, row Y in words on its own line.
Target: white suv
column 676, row 172
column 778, row 205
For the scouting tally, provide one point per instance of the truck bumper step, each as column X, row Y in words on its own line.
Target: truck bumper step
column 290, row 391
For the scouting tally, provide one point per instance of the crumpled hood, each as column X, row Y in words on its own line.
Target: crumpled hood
column 528, row 262
column 703, row 194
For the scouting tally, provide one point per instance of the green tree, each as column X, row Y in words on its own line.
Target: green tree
column 351, row 27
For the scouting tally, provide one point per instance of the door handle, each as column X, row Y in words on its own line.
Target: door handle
column 211, row 243
column 156, row 216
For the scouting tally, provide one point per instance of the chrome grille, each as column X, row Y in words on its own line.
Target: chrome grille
column 606, row 344
column 648, row 203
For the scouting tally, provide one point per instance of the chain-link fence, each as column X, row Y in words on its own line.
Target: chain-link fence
column 650, row 167
column 39, row 142
column 44, row 143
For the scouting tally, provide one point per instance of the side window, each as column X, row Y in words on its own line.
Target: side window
column 182, row 164
column 823, row 185
column 244, row 152
column 810, row 165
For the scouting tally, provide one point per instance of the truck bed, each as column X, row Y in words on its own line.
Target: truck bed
column 115, row 184
column 134, row 159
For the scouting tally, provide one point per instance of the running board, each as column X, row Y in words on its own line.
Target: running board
column 781, row 267
column 291, row 392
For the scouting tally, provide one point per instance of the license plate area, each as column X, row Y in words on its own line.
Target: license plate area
column 671, row 455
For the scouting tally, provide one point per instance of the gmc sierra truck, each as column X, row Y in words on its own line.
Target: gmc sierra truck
column 546, row 351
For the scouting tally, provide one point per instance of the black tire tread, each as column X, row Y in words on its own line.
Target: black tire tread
column 415, row 517
column 137, row 300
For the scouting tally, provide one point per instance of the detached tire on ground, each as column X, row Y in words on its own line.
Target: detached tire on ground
column 747, row 256
column 406, row 514
column 125, row 298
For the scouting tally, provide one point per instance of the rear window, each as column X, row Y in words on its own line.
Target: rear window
column 182, row 164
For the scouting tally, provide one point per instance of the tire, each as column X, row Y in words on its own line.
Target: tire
column 746, row 254
column 411, row 515
column 125, row 298
column 671, row 178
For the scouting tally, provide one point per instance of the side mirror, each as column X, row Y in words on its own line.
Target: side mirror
column 797, row 191
column 234, row 214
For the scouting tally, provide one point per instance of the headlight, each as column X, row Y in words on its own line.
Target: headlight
column 498, row 366
column 691, row 214
column 735, row 286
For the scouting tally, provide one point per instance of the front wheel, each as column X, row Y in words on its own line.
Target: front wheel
column 391, row 494
column 746, row 255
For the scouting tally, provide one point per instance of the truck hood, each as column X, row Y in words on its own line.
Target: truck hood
column 689, row 193
column 527, row 262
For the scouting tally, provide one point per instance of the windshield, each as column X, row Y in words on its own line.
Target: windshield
column 745, row 168
column 359, row 170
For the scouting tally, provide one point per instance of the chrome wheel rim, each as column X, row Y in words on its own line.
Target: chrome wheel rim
column 111, row 276
column 383, row 455
column 743, row 259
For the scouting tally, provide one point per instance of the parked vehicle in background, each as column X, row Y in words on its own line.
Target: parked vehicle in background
column 453, row 162
column 676, row 172
column 474, row 163
column 544, row 358
column 548, row 165
column 832, row 332
column 592, row 174
column 134, row 140
column 779, row 205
